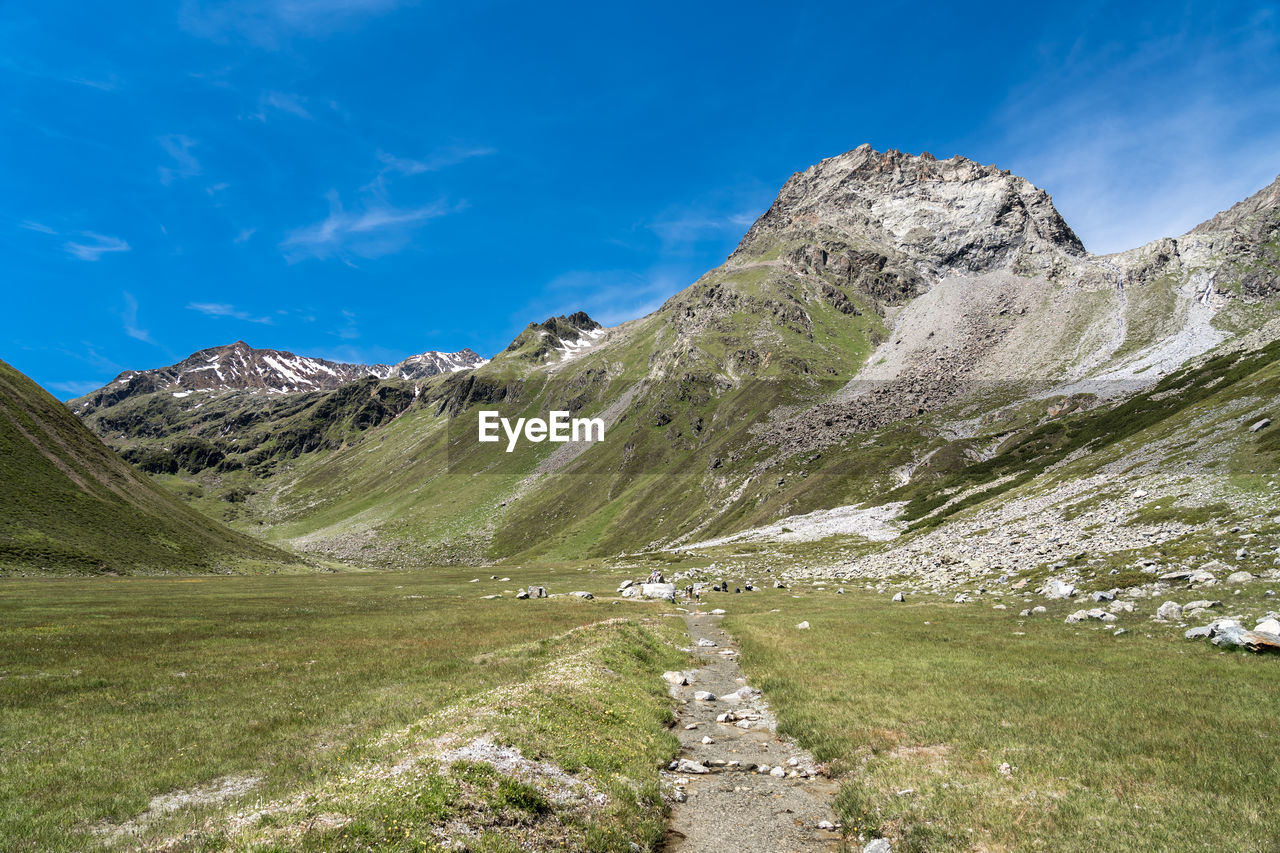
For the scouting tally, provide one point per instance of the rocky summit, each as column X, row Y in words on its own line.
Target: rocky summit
column 933, row 215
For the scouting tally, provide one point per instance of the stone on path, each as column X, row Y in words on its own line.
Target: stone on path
column 583, row 595
column 803, row 626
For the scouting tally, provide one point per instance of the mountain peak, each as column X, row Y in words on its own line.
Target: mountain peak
column 566, row 335
column 942, row 215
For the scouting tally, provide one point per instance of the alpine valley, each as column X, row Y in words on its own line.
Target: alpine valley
column 913, row 526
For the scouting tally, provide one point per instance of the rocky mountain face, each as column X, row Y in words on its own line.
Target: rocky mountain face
column 984, row 290
column 240, row 367
column 889, row 324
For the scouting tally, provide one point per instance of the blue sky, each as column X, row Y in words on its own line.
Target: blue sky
column 366, row 179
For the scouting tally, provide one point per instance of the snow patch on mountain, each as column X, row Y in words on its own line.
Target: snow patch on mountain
column 572, row 348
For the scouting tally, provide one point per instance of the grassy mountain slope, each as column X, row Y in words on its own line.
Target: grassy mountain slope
column 70, row 504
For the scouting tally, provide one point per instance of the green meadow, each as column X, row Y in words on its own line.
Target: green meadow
column 960, row 727
column 352, row 711
column 121, row 697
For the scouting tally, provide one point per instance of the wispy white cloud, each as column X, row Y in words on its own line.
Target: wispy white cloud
column 441, row 158
column 714, row 220
column 694, row 226
column 281, row 102
column 353, row 354
column 270, row 23
column 433, row 162
column 375, row 230
column 75, row 387
column 245, row 234
column 609, row 296
column 88, row 353
column 36, row 226
column 109, row 85
column 350, row 329
column 179, row 148
column 1150, row 140
column 103, row 82
column 221, row 309
column 130, row 320
column 94, row 246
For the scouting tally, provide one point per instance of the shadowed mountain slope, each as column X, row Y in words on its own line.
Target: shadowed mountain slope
column 68, row 503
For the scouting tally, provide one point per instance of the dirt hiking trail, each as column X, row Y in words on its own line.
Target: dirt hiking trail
column 731, row 804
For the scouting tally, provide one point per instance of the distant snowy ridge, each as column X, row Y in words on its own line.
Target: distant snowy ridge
column 240, row 367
